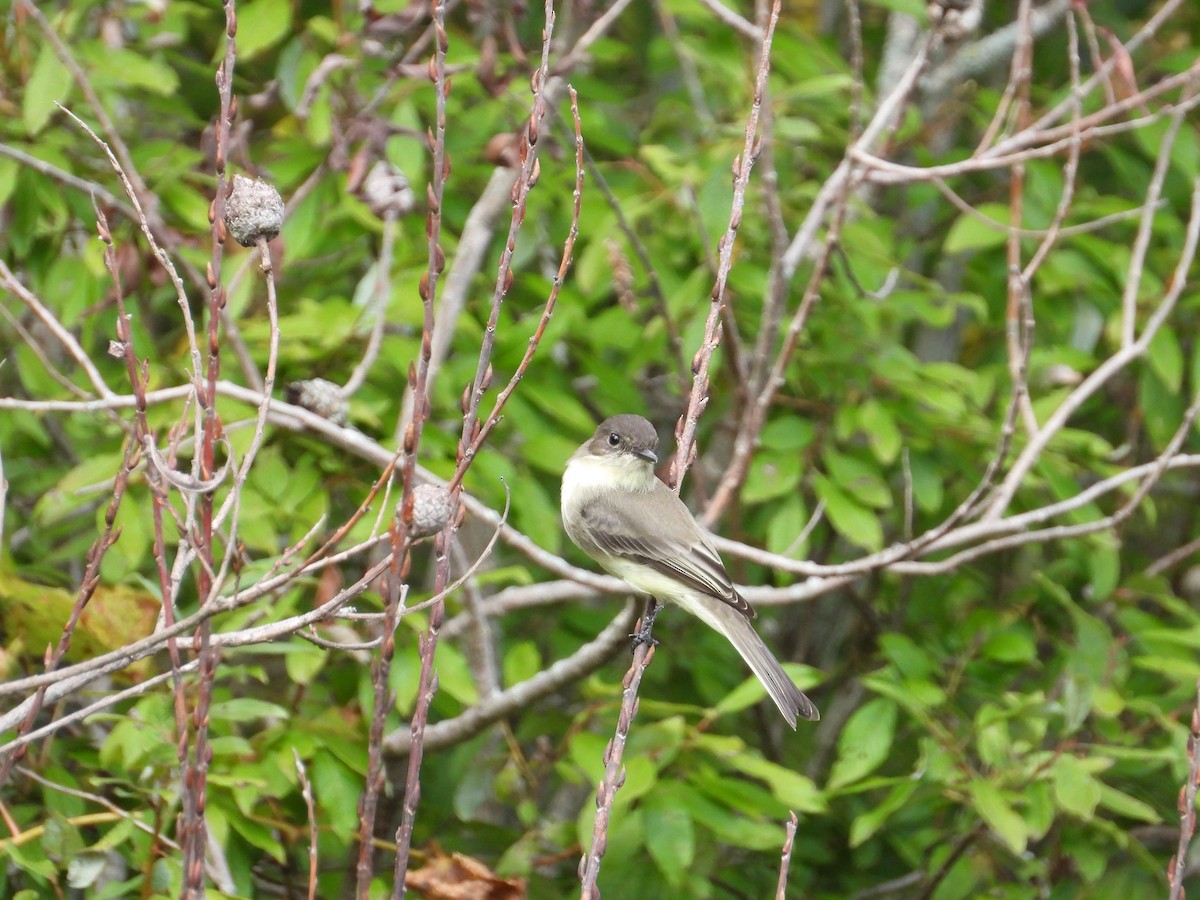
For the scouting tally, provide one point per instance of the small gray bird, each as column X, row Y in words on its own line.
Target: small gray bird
column 618, row 513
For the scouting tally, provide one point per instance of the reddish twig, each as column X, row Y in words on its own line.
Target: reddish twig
column 475, row 432
column 1187, row 806
column 158, row 490
column 742, row 166
column 310, row 806
column 401, row 541
column 480, row 433
column 614, row 772
column 785, row 861
column 193, row 826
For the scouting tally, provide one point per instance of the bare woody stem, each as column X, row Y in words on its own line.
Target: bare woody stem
column 614, row 771
column 742, row 166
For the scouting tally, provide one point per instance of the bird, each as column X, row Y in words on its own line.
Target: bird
column 615, row 509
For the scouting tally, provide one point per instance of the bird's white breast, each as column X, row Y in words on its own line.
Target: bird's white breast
column 587, row 475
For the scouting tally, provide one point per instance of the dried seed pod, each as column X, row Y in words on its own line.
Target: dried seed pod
column 386, row 190
column 321, row 397
column 254, row 210
column 955, row 20
column 431, row 510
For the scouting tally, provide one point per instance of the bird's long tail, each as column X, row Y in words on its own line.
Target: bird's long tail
column 737, row 628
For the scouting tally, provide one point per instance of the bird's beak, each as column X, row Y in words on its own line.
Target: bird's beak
column 648, row 455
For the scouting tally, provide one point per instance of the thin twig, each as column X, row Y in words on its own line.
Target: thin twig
column 785, row 860
column 1187, row 806
column 378, row 309
column 306, row 792
column 742, row 167
column 614, row 771
column 479, row 432
column 401, row 539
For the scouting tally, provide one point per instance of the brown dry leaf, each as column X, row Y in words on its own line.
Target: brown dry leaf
column 457, row 876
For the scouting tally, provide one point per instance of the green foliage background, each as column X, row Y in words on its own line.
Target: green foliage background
column 1012, row 728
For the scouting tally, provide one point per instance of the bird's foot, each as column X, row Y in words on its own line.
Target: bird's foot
column 643, row 634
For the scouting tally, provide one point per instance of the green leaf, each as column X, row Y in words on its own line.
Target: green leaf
column 727, row 824
column 61, row 840
column 454, row 675
column 865, row 826
column 788, row 433
column 303, row 661
column 772, row 475
column 859, row 479
column 992, row 737
column 137, row 71
column 521, row 662
column 971, row 234
column 1075, row 790
column 1015, row 644
column 335, row 786
column 1124, row 805
column 852, row 521
column 995, row 809
column 785, row 525
column 671, row 837
column 8, row 178
column 49, row 82
column 246, row 709
column 261, row 24
column 1104, row 565
column 29, row 859
column 882, row 433
column 926, row 483
column 1166, row 358
column 865, row 742
column 793, row 789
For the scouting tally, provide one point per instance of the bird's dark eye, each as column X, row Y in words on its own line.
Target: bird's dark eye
column 613, row 439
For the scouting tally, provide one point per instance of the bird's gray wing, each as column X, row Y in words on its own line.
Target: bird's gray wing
column 653, row 539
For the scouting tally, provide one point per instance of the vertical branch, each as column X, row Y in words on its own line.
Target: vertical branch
column 832, row 196
column 475, row 433
column 530, row 171
column 229, row 507
column 401, row 540
column 1018, row 316
column 1141, row 243
column 216, row 293
column 742, row 165
column 194, row 826
column 785, row 861
column 1118, row 361
column 614, row 772
column 158, row 489
column 310, row 807
column 480, row 431
column 1071, row 167
column 1187, row 806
